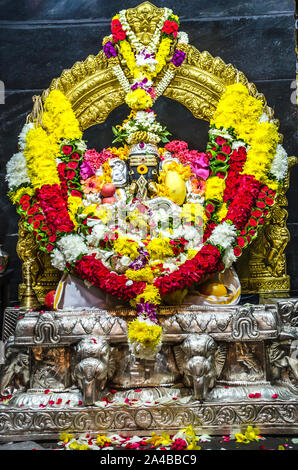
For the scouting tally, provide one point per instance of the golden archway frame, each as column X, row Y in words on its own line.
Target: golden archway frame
column 94, row 91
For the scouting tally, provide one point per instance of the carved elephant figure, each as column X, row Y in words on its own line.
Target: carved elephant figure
column 196, row 361
column 92, row 368
column 279, row 361
column 15, row 374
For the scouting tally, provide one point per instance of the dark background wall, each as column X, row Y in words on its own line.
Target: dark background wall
column 39, row 38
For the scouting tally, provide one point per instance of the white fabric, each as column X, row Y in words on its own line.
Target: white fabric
column 230, row 280
column 73, row 293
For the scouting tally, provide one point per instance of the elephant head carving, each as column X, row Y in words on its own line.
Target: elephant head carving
column 196, row 361
column 15, row 374
column 92, row 368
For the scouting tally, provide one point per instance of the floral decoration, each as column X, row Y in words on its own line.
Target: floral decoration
column 65, row 193
column 184, row 439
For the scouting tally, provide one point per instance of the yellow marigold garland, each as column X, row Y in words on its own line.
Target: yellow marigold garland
column 239, row 110
column 263, row 144
column 138, row 99
column 162, row 54
column 73, row 202
column 129, row 57
column 126, row 247
column 40, row 153
column 159, row 248
column 215, row 188
column 144, row 274
column 16, row 196
column 222, row 212
column 150, row 294
column 147, row 335
column 59, row 118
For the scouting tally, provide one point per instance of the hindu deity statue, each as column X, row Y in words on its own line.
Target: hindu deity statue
column 150, row 195
column 143, row 163
column 150, row 218
column 131, row 231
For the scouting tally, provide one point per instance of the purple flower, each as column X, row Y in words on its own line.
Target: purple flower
column 143, row 84
column 109, row 50
column 86, row 170
column 147, row 309
column 140, row 261
column 178, row 58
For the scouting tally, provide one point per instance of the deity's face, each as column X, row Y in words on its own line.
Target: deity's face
column 143, row 162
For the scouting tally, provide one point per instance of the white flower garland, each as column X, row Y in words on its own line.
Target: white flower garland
column 164, row 83
column 23, row 134
column 182, row 37
column 72, row 246
column 121, row 78
column 221, row 133
column 279, row 165
column 143, row 122
column 223, row 235
column 229, row 257
column 17, row 172
column 57, row 259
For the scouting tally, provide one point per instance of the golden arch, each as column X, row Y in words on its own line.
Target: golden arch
column 94, row 91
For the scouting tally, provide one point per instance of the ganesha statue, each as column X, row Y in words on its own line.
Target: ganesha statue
column 144, row 206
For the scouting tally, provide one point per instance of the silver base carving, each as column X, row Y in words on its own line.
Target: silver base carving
column 219, row 369
column 210, row 418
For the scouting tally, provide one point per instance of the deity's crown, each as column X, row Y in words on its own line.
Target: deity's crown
column 143, row 148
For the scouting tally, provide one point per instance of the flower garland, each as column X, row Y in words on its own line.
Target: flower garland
column 53, row 209
column 141, row 126
column 65, row 195
column 146, row 64
column 120, row 22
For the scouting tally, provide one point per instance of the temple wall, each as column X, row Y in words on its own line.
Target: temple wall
column 39, row 38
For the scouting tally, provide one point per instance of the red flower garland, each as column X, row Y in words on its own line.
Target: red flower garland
column 117, row 31
column 240, row 208
column 54, row 208
column 207, row 261
column 92, row 269
column 256, row 219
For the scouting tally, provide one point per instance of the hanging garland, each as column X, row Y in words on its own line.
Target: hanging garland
column 64, row 192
